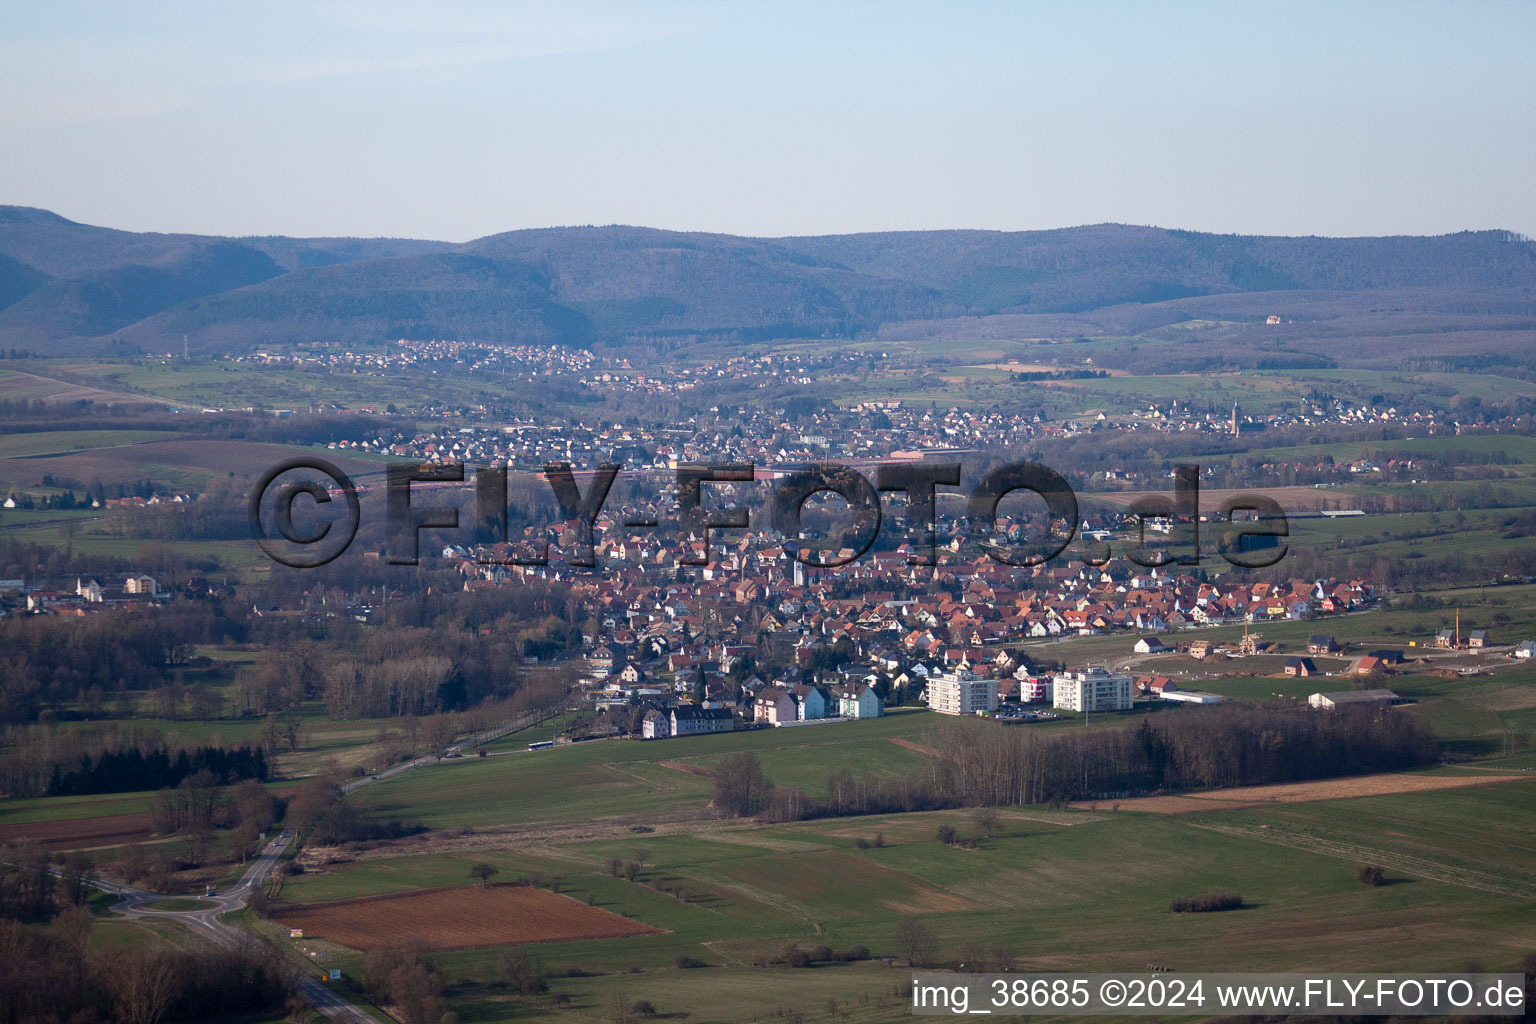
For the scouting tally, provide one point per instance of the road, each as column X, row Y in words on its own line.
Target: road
column 205, row 922
column 532, row 718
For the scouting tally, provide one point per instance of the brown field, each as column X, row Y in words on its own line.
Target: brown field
column 1298, row 792
column 463, row 917
column 81, row 833
column 1299, row 499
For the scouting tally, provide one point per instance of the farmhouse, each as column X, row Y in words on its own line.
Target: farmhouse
column 1354, row 698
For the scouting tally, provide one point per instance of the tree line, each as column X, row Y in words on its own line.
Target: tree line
column 129, row 771
column 980, row 763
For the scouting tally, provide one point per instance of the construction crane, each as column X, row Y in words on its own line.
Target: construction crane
column 1250, row 644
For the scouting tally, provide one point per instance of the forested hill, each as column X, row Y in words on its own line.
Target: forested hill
column 73, row 288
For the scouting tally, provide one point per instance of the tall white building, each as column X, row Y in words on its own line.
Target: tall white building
column 961, row 693
column 1093, row 690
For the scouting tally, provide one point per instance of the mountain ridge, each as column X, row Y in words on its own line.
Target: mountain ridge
column 78, row 288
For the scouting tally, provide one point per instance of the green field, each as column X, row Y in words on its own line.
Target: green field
column 626, row 779
column 1068, row 890
column 1055, row 889
column 56, row 442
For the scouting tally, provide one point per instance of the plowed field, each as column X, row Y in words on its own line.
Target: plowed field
column 459, row 918
column 81, row 833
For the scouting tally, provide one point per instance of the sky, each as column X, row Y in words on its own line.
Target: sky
column 457, row 120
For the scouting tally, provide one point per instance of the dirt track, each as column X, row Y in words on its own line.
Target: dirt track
column 1298, row 792
column 463, row 917
column 910, row 745
column 703, row 773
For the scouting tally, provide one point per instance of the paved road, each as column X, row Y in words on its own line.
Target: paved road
column 533, row 718
column 205, row 922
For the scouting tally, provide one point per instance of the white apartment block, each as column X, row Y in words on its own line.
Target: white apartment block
column 961, row 693
column 1093, row 690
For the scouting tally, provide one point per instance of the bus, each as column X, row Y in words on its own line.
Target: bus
column 545, row 745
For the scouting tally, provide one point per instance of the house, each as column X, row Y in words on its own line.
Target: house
column 1445, row 639
column 600, row 663
column 1150, row 645
column 1526, row 649
column 810, row 702
column 774, row 705
column 1387, row 656
column 1478, row 638
column 655, row 725
column 1368, row 664
column 694, row 720
column 1353, row 698
column 860, row 702
column 144, row 585
column 1321, row 643
column 1300, row 667
column 1035, row 689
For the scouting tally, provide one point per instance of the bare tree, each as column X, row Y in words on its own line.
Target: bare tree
column 416, row 989
column 620, row 1009
column 73, row 926
column 483, row 873
column 143, row 986
column 917, row 941
column 741, row 788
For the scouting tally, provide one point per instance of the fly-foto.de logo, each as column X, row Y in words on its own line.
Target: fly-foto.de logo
column 1249, row 526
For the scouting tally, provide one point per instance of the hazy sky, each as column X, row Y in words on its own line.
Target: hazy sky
column 769, row 119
